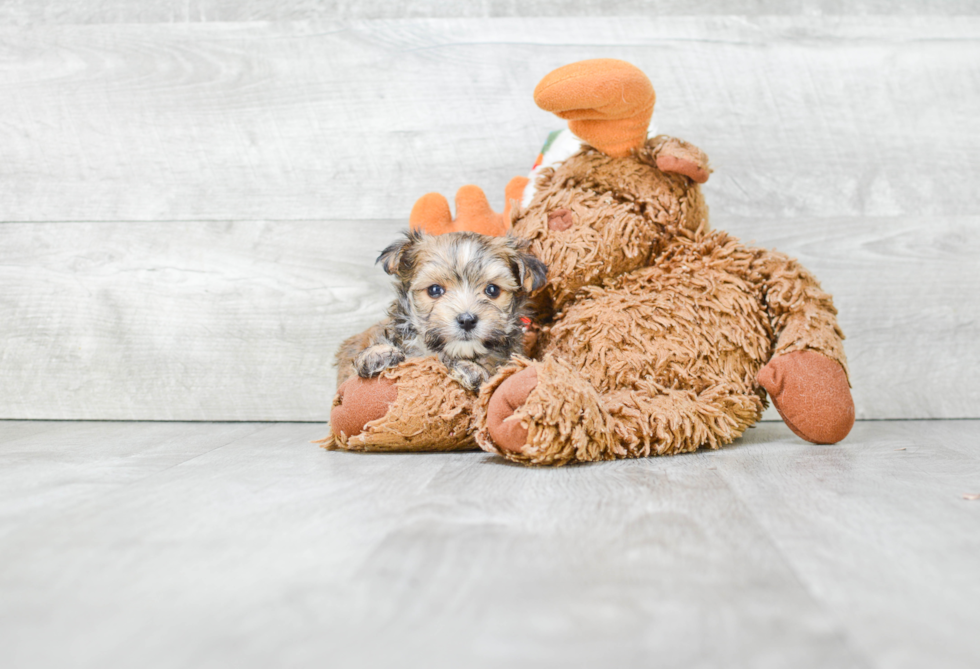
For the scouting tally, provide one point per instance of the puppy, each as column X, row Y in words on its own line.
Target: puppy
column 461, row 296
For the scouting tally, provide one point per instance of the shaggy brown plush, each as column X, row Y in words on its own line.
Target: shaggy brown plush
column 427, row 412
column 655, row 334
column 670, row 351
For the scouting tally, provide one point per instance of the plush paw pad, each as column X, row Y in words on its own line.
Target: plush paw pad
column 359, row 401
column 811, row 393
column 507, row 433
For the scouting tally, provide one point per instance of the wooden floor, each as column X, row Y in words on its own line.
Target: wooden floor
column 241, row 544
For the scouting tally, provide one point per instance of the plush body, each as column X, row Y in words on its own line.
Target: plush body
column 657, row 335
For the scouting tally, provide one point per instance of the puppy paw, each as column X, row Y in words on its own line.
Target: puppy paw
column 469, row 374
column 375, row 359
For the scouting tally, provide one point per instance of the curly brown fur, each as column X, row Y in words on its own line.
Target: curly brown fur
column 654, row 329
column 595, row 217
column 461, row 296
column 660, row 326
column 429, row 413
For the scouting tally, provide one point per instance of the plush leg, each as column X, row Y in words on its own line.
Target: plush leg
column 651, row 420
column 545, row 413
column 413, row 407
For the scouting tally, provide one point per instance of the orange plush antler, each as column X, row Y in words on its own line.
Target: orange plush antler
column 473, row 213
column 607, row 102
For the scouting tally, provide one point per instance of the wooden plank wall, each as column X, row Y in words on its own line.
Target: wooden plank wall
column 193, row 194
column 28, row 12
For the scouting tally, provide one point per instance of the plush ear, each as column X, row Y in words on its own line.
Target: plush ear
column 399, row 258
column 684, row 158
column 531, row 273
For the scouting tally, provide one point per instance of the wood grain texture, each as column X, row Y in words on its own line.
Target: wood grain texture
column 190, row 211
column 264, row 550
column 239, row 321
column 183, row 321
column 870, row 116
column 54, row 467
column 906, row 290
column 877, row 531
column 47, row 12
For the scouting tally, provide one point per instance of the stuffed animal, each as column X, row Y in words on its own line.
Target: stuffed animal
column 653, row 335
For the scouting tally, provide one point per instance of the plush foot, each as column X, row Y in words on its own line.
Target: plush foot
column 415, row 406
column 360, row 401
column 811, row 393
column 544, row 413
column 505, row 429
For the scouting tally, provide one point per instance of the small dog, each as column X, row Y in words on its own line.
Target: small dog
column 461, row 296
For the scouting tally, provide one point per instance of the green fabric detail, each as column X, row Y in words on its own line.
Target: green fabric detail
column 552, row 136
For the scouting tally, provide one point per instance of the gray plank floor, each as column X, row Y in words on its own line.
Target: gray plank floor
column 241, row 544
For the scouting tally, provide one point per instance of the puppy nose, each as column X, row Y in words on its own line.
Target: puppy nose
column 466, row 321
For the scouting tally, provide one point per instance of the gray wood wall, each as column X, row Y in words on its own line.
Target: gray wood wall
column 192, row 194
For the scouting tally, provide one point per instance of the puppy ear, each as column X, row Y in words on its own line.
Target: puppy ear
column 399, row 258
column 531, row 273
column 536, row 273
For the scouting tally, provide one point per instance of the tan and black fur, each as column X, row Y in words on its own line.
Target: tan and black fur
column 460, row 296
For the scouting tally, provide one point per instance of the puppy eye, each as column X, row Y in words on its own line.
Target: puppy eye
column 435, row 290
column 492, row 291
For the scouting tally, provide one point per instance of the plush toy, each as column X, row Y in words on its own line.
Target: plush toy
column 654, row 335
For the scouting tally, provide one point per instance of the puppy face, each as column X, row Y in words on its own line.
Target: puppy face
column 462, row 293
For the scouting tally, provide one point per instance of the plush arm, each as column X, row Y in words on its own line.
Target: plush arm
column 807, row 376
column 802, row 315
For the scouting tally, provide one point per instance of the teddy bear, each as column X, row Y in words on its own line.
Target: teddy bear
column 653, row 335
